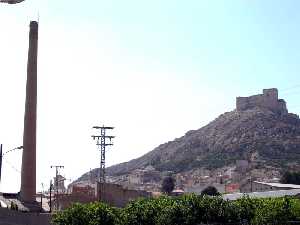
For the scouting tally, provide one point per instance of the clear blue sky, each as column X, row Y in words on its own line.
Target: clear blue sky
column 251, row 44
column 155, row 69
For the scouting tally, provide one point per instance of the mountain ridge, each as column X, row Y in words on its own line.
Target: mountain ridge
column 259, row 130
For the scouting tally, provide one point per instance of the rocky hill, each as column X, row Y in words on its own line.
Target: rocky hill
column 258, row 132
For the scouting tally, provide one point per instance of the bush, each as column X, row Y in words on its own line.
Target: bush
column 273, row 211
column 89, row 214
column 247, row 207
column 184, row 210
column 141, row 212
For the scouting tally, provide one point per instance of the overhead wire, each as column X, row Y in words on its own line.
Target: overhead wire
column 12, row 166
column 294, row 106
column 17, row 148
column 289, row 89
column 291, row 93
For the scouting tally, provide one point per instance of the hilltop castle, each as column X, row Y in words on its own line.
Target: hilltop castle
column 268, row 100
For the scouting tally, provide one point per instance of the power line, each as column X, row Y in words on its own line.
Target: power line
column 17, row 148
column 12, row 166
column 2, row 154
column 290, row 88
column 296, row 92
column 294, row 106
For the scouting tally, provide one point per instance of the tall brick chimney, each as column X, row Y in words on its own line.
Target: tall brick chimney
column 28, row 176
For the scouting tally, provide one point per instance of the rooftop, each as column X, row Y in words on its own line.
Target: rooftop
column 279, row 185
column 266, row 194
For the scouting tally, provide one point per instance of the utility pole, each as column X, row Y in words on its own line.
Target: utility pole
column 1, row 156
column 50, row 189
column 42, row 197
column 56, row 183
column 103, row 140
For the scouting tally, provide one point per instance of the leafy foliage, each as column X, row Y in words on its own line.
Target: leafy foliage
column 273, row 211
column 185, row 210
column 89, row 214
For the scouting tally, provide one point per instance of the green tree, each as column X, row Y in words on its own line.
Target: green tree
column 210, row 190
column 184, row 210
column 168, row 185
column 87, row 214
column 290, row 178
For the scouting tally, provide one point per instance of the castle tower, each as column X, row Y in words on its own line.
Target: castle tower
column 268, row 100
column 28, row 176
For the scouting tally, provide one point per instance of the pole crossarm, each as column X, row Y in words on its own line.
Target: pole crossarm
column 100, row 136
column 104, row 144
column 103, row 127
column 11, row 1
column 57, row 167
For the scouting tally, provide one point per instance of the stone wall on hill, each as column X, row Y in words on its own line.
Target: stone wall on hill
column 267, row 100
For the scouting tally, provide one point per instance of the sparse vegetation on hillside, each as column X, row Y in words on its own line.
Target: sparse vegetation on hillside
column 232, row 136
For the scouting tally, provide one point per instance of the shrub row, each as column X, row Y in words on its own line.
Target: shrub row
column 184, row 210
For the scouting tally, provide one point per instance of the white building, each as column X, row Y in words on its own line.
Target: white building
column 256, row 186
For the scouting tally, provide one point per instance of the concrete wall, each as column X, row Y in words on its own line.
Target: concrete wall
column 11, row 217
column 66, row 200
column 116, row 195
column 113, row 194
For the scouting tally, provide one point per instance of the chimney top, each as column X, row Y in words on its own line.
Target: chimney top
column 34, row 25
